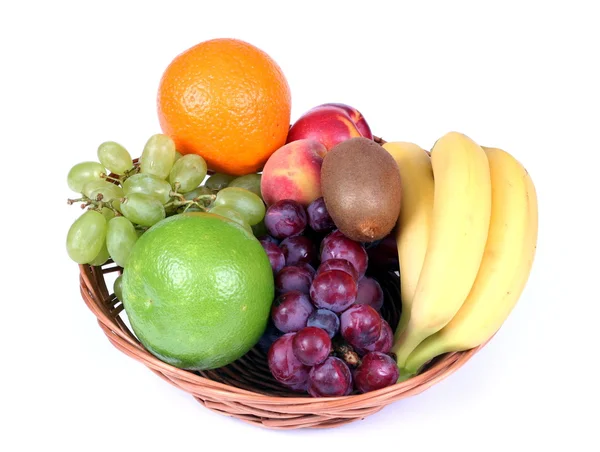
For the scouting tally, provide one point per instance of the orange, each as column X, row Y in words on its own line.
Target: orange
column 228, row 101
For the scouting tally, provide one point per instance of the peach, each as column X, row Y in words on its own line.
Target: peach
column 330, row 124
column 293, row 172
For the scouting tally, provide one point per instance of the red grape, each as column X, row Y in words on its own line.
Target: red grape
column 311, row 345
column 360, row 325
column 308, row 267
column 331, row 378
column 284, row 366
column 326, row 320
column 338, row 264
column 298, row 249
column 334, row 290
column 383, row 344
column 293, row 278
column 370, row 293
column 291, row 310
column 318, row 216
column 337, row 246
column 377, row 370
column 275, row 255
column 285, row 218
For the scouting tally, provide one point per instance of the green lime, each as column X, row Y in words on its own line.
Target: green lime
column 198, row 290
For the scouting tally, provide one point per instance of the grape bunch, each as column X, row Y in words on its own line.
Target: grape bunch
column 326, row 335
column 124, row 198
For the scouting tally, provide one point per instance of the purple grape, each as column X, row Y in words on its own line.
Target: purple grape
column 290, row 311
column 326, row 320
column 338, row 264
column 284, row 366
column 334, row 290
column 270, row 335
column 298, row 249
column 383, row 344
column 318, row 216
column 360, row 325
column 293, row 278
column 337, row 246
column 268, row 238
column 377, row 370
column 369, row 293
column 275, row 255
column 311, row 345
column 331, row 378
column 285, row 218
column 308, row 267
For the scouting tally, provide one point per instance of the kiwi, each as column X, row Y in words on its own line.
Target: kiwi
column 360, row 183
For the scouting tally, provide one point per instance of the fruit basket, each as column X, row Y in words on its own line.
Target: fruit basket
column 319, row 273
column 245, row 389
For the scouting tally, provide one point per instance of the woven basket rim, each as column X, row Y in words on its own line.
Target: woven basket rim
column 133, row 348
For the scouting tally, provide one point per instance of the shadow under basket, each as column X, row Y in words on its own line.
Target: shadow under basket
column 245, row 389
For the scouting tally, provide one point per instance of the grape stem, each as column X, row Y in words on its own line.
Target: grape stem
column 344, row 351
column 97, row 204
column 180, row 201
column 110, row 178
column 132, row 171
column 179, row 196
column 70, row 202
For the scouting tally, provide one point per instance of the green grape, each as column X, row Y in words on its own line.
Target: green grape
column 189, row 171
column 158, row 156
column 197, row 192
column 260, row 229
column 114, row 157
column 232, row 215
column 102, row 256
column 178, row 155
column 107, row 213
column 86, row 237
column 250, row 206
column 118, row 287
column 108, row 190
column 250, row 182
column 149, row 185
column 171, row 209
column 218, row 181
column 82, row 173
column 142, row 209
column 116, row 203
column 120, row 238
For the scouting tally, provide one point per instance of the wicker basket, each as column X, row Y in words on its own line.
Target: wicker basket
column 246, row 389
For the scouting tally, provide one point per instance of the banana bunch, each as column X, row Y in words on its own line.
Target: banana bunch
column 466, row 238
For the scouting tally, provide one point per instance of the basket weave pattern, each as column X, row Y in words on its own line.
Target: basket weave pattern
column 245, row 389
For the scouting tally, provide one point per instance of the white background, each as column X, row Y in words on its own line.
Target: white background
column 523, row 76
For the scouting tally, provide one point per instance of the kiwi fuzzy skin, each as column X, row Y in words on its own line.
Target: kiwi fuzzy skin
column 360, row 183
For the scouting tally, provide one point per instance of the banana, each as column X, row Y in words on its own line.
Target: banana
column 505, row 267
column 459, row 230
column 414, row 222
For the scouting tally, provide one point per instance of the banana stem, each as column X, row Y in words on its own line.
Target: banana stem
column 405, row 375
column 425, row 352
column 406, row 343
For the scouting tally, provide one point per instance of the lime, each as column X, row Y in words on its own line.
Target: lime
column 198, row 290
